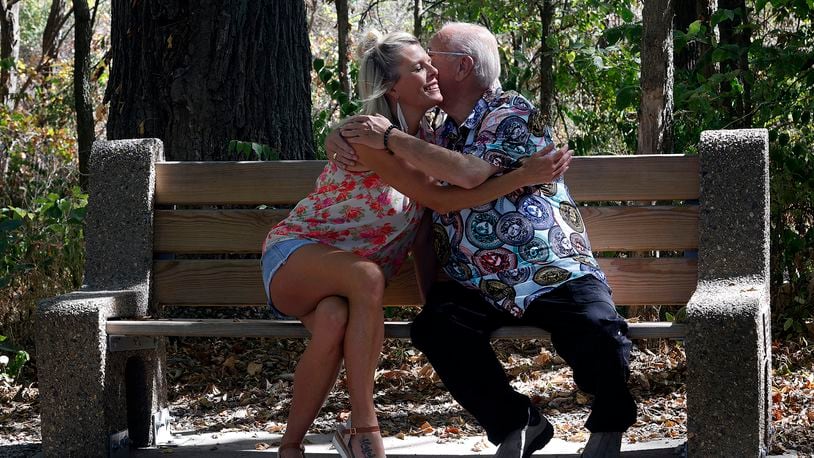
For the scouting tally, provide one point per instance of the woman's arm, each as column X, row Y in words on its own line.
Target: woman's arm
column 542, row 167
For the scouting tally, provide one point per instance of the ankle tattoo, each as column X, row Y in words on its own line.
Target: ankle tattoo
column 367, row 448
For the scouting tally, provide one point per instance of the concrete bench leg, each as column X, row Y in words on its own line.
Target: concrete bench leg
column 728, row 339
column 84, row 388
column 729, row 370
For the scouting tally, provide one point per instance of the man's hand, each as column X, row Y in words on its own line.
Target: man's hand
column 340, row 151
column 366, row 130
column 546, row 165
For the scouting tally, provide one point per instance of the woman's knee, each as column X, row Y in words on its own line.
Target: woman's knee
column 331, row 319
column 366, row 278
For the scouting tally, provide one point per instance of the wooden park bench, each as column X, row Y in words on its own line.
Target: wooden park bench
column 101, row 350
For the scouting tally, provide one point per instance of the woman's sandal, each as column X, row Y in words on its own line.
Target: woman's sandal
column 292, row 445
column 342, row 446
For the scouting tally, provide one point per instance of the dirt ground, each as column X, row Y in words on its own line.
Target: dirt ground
column 245, row 384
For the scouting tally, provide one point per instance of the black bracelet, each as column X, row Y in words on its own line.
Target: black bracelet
column 387, row 136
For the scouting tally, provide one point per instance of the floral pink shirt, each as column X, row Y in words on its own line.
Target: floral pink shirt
column 356, row 212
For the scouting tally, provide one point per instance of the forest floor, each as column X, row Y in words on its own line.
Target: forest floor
column 220, row 385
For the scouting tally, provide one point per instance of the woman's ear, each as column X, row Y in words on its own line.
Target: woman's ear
column 466, row 67
column 393, row 93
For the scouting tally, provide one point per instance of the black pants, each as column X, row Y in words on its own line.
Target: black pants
column 453, row 331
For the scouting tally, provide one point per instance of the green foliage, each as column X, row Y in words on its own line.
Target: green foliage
column 596, row 68
column 10, row 367
column 252, row 151
column 340, row 103
column 777, row 91
column 41, row 209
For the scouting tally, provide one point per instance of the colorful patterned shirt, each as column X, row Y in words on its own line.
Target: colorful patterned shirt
column 357, row 212
column 522, row 245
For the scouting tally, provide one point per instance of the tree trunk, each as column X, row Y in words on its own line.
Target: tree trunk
column 9, row 49
column 417, row 19
column 50, row 36
column 736, row 33
column 199, row 74
column 656, row 110
column 546, row 107
column 85, row 132
column 343, row 30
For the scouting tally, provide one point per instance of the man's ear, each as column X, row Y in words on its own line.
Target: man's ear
column 465, row 68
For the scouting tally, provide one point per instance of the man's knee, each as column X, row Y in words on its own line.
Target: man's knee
column 424, row 330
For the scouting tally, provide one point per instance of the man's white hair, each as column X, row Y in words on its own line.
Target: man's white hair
column 478, row 42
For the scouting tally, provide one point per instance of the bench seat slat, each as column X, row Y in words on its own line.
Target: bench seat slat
column 595, row 178
column 636, row 281
column 393, row 329
column 610, row 228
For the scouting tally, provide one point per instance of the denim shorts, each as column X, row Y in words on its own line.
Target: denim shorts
column 275, row 256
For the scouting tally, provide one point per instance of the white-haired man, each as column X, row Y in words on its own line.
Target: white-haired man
column 524, row 259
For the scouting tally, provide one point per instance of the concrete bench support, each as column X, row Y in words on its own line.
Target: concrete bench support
column 83, row 388
column 729, row 338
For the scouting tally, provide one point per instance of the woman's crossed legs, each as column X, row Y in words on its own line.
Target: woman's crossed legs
column 307, row 286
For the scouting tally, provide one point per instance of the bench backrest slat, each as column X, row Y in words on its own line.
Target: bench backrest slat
column 596, row 178
column 198, row 229
column 635, row 281
column 243, row 231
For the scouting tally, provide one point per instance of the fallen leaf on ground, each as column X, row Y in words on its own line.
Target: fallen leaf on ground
column 254, row 368
column 426, row 428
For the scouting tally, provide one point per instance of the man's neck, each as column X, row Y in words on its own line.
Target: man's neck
column 460, row 107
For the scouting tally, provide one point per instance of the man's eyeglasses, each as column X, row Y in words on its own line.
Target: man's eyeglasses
column 446, row 53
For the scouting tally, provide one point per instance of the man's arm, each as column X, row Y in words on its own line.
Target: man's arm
column 462, row 170
column 543, row 166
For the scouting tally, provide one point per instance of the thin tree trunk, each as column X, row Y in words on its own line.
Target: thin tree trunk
column 546, row 107
column 9, row 49
column 417, row 19
column 343, row 30
column 81, row 87
column 738, row 32
column 199, row 74
column 50, row 36
column 656, row 110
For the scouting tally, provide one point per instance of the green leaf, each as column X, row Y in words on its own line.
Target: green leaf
column 325, row 75
column 695, row 28
column 722, row 15
column 257, row 148
column 17, row 363
column 627, row 14
column 720, row 55
column 318, row 64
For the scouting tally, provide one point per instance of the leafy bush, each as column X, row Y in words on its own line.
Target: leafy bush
column 41, row 210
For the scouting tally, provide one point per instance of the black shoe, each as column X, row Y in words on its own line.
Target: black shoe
column 521, row 443
column 603, row 445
